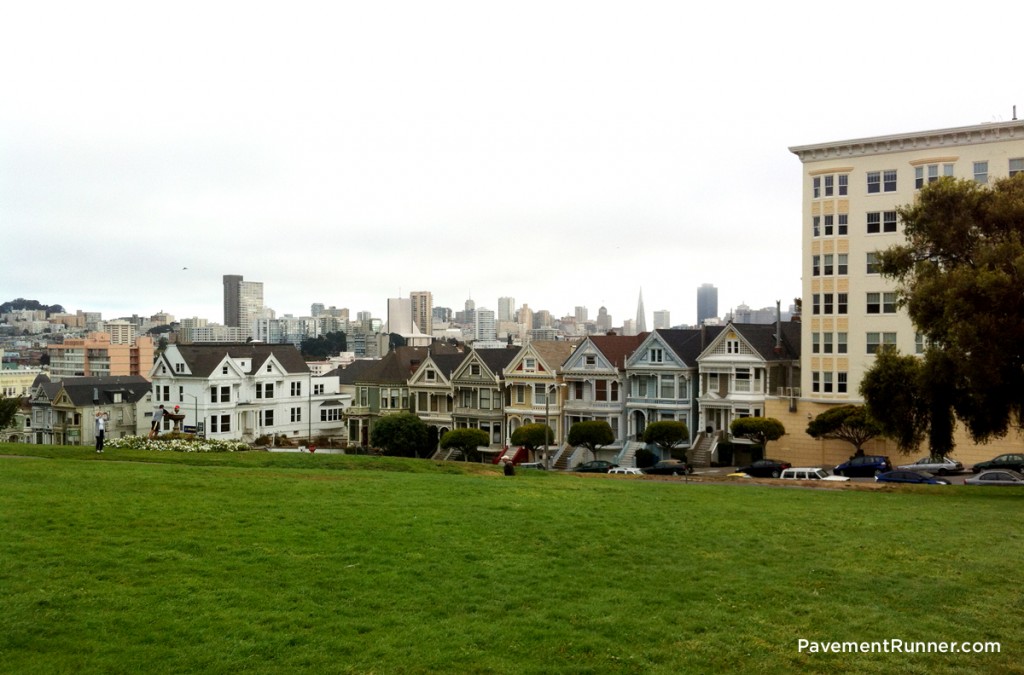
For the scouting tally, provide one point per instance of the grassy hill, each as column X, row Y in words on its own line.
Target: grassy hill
column 138, row 561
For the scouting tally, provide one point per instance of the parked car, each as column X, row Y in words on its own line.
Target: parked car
column 940, row 466
column 810, row 473
column 904, row 476
column 765, row 468
column 865, row 465
column 532, row 465
column 1013, row 461
column 669, row 467
column 996, row 477
column 627, row 470
column 595, row 466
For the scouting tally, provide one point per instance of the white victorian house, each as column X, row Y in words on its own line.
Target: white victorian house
column 242, row 391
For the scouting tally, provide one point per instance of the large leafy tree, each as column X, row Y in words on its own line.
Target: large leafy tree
column 761, row 430
column 959, row 275
column 8, row 409
column 467, row 441
column 323, row 346
column 911, row 399
column 666, row 434
column 591, row 434
column 401, row 434
column 532, row 436
column 850, row 423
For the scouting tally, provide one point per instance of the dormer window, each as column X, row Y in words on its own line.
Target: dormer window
column 224, row 370
column 590, row 360
column 530, row 365
column 430, row 375
column 657, row 355
column 474, row 369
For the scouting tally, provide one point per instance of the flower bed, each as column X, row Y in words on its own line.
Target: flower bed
column 176, row 444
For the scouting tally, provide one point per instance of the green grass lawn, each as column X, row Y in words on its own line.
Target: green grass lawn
column 149, row 562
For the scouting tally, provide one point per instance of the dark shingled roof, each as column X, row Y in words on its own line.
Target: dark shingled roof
column 448, row 363
column 86, row 391
column 762, row 337
column 688, row 343
column 618, row 348
column 356, row 371
column 202, row 359
column 497, row 359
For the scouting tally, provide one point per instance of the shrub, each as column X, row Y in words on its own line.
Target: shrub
column 180, row 444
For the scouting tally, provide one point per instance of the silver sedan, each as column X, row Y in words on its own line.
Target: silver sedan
column 940, row 466
column 996, row 477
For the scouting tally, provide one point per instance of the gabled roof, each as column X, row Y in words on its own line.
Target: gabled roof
column 356, row 371
column 203, row 359
column 688, row 343
column 447, row 364
column 617, row 348
column 87, row 391
column 552, row 352
column 762, row 337
column 497, row 360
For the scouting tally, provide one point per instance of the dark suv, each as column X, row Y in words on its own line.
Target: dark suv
column 868, row 465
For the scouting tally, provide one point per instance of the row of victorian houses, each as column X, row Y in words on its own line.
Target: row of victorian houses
column 254, row 392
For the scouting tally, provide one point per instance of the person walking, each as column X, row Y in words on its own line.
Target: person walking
column 157, row 416
column 101, row 430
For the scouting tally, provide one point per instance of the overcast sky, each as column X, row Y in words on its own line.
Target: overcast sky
column 562, row 153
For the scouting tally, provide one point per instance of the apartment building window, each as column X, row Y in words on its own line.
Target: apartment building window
column 815, row 381
column 874, row 303
column 843, row 224
column 889, row 303
column 1016, row 166
column 981, row 172
column 920, row 343
column 816, row 186
column 930, row 174
column 840, row 343
column 881, row 221
column 829, row 182
column 872, row 263
column 828, row 307
column 841, row 383
column 815, row 303
column 318, row 389
column 880, row 339
column 881, row 181
column 829, row 222
column 815, row 343
column 827, row 343
column 815, row 265
column 842, row 302
column 829, row 268
column 296, row 389
column 816, row 224
column 844, row 181
column 842, row 263
column 826, row 382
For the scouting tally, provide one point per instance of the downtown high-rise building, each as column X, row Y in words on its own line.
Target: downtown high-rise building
column 422, row 311
column 506, row 309
column 641, row 321
column 243, row 301
column 707, row 303
column 662, row 319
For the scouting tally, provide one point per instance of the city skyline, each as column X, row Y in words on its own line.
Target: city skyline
column 346, row 154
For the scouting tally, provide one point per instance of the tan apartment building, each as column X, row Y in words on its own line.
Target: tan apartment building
column 851, row 190
column 96, row 355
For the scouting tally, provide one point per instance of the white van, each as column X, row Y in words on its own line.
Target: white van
column 810, row 473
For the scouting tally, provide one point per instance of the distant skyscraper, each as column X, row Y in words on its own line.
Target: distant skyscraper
column 506, row 309
column 661, row 319
column 422, row 311
column 243, row 302
column 641, row 322
column 400, row 316
column 604, row 321
column 485, row 327
column 580, row 315
column 707, row 303
column 231, row 289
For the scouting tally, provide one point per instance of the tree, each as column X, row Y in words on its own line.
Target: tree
column 912, row 399
column 323, row 346
column 591, row 434
column 758, row 429
column 532, row 436
column 850, row 423
column 666, row 434
column 8, row 409
column 467, row 441
column 959, row 276
column 401, row 434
